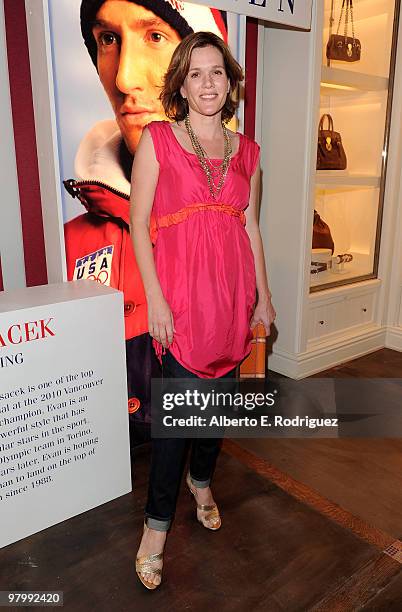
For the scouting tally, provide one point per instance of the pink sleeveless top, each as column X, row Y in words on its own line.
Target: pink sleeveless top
column 203, row 255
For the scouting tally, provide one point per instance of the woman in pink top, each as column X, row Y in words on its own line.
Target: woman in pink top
column 197, row 199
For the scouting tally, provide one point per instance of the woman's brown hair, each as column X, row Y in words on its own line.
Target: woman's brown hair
column 175, row 106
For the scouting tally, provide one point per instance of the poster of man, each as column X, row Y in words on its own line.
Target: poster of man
column 100, row 116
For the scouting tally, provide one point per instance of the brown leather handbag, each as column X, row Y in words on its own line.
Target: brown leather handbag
column 322, row 238
column 254, row 365
column 330, row 152
column 344, row 48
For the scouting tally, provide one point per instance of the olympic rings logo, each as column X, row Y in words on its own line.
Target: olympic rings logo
column 101, row 278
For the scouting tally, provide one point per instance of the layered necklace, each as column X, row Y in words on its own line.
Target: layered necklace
column 215, row 173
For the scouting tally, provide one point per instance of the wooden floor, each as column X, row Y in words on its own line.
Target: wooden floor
column 361, row 477
column 364, row 476
column 305, row 524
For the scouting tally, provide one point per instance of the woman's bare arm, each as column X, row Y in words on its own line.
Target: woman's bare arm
column 264, row 311
column 144, row 179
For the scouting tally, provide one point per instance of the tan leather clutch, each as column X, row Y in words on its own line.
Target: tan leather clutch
column 254, row 364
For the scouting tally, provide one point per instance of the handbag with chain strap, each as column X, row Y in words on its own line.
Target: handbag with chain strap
column 340, row 47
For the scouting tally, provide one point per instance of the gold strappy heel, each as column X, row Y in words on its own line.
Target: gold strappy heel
column 144, row 565
column 212, row 510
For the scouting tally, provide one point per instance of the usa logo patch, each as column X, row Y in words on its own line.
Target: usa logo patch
column 95, row 266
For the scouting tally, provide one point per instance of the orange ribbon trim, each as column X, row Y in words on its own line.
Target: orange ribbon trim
column 184, row 213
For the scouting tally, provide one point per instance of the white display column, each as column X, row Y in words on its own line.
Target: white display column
column 394, row 310
column 392, row 238
column 288, row 157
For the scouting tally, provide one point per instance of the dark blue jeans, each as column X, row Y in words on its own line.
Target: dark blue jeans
column 168, row 459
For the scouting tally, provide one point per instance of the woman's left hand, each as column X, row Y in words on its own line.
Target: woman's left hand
column 264, row 313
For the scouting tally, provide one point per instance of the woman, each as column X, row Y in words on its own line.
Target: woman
column 197, row 178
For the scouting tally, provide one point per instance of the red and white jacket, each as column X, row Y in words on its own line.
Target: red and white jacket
column 98, row 244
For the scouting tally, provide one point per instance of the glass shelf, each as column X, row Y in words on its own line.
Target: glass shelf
column 354, row 271
column 338, row 178
column 345, row 81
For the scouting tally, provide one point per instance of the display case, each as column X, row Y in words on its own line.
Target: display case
column 358, row 96
column 334, row 315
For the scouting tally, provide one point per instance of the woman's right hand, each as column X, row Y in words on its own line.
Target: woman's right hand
column 160, row 321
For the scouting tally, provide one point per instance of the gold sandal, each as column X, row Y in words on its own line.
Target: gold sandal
column 212, row 510
column 143, row 565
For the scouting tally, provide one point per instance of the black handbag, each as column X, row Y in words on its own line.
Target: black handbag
column 344, row 48
column 330, row 152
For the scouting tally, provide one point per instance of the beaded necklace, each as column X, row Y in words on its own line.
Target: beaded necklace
column 213, row 172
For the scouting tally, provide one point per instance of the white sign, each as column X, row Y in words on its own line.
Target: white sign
column 64, row 443
column 296, row 13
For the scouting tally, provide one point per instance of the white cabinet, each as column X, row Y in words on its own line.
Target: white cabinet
column 325, row 318
column 360, row 309
column 343, row 310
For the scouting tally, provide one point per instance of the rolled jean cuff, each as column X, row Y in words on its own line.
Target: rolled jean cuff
column 200, row 484
column 156, row 524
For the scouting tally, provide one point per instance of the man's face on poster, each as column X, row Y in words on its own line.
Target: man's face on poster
column 134, row 50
